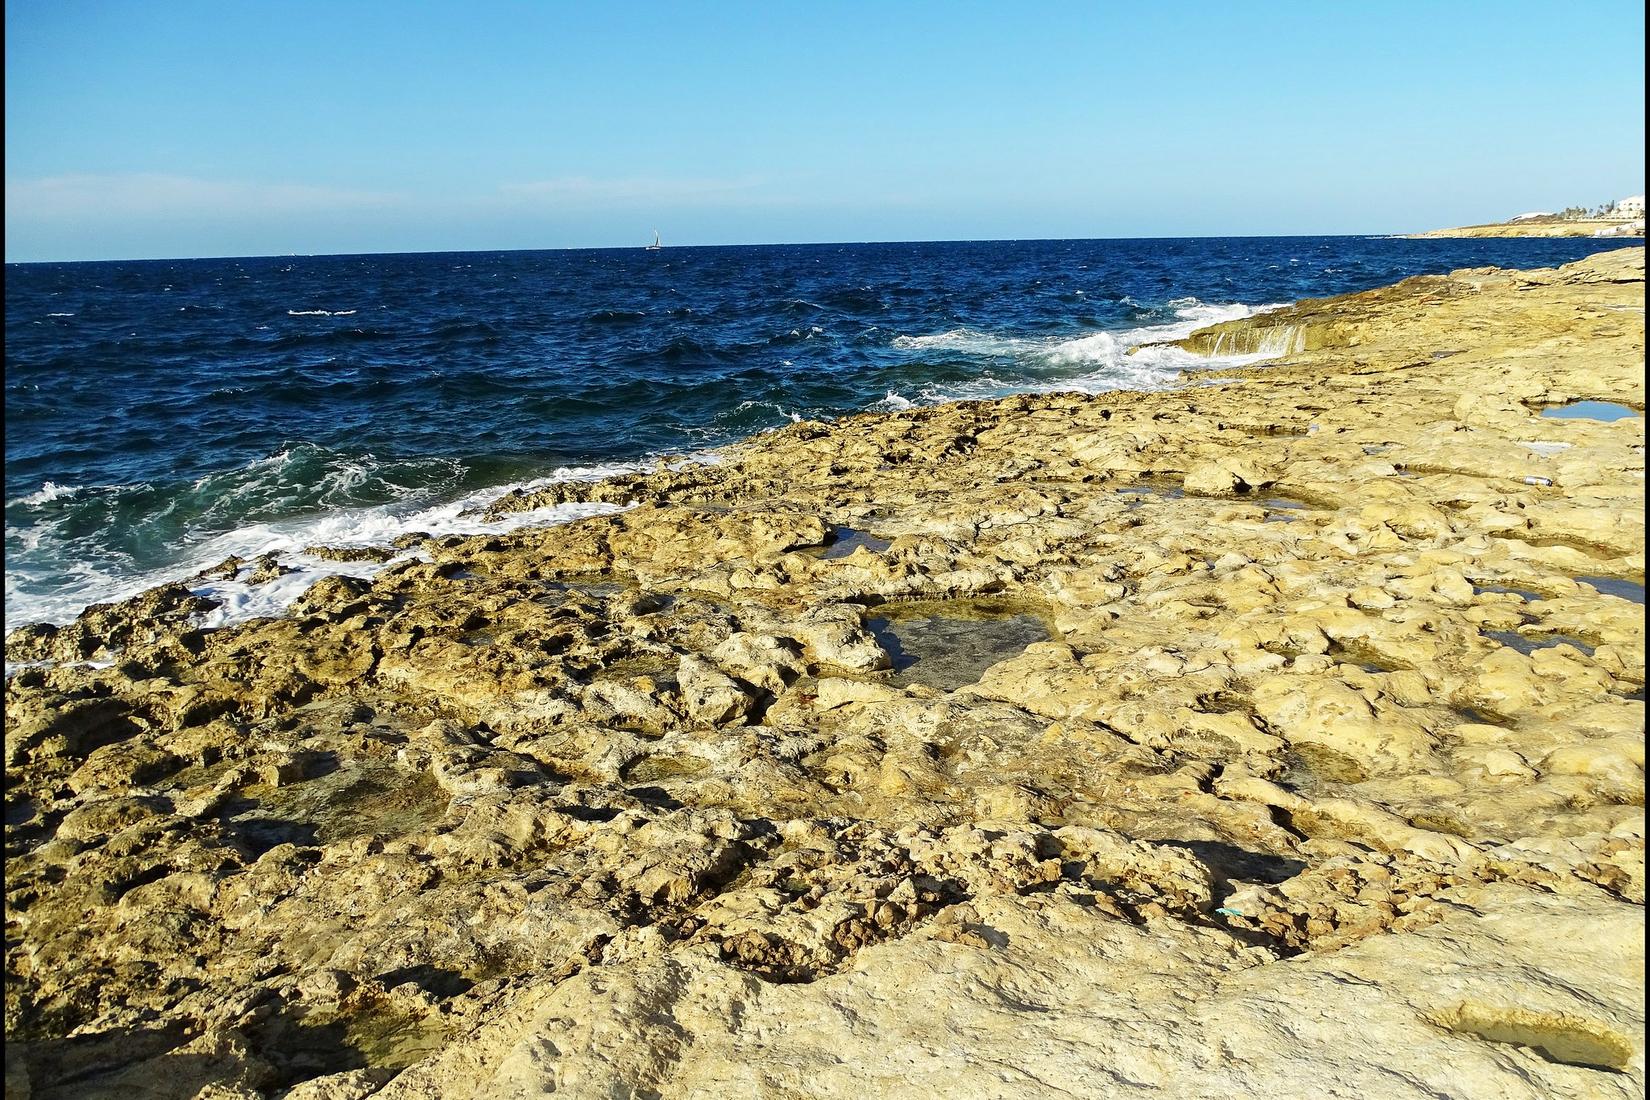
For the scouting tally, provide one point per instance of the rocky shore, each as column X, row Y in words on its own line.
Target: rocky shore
column 1279, row 735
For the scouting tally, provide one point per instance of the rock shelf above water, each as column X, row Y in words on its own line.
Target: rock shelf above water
column 643, row 805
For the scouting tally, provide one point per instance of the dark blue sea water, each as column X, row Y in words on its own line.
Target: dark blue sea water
column 161, row 415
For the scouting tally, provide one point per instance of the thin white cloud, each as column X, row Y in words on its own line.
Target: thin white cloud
column 155, row 195
column 590, row 193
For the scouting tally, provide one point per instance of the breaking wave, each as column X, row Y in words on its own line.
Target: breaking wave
column 298, row 498
column 1125, row 359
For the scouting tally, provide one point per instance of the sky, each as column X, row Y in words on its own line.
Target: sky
column 164, row 128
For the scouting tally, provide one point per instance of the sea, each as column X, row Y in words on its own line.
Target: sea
column 164, row 415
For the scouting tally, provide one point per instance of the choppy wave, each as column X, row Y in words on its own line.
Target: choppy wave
column 240, row 600
column 1085, row 364
column 258, row 490
column 321, row 312
column 50, row 491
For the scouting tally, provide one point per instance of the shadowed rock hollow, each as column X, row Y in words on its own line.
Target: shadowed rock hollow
column 1257, row 738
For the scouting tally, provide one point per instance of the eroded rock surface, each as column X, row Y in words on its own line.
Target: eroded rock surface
column 1301, row 761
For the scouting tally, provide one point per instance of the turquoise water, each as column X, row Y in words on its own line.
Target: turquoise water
column 1590, row 410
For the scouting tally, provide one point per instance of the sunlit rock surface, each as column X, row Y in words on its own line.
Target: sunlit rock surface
column 1277, row 737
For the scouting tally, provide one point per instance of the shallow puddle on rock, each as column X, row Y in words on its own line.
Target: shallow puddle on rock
column 627, row 670
column 1615, row 586
column 197, row 775
column 1140, row 492
column 1592, row 550
column 1365, row 657
column 1589, row 410
column 1306, row 766
column 389, row 1042
column 372, row 1037
column 356, row 800
column 1554, row 1038
column 948, row 645
column 580, row 587
column 1529, row 643
column 1282, row 509
column 845, row 540
column 1529, row 594
column 665, row 767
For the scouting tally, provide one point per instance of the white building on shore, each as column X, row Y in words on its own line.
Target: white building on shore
column 1630, row 207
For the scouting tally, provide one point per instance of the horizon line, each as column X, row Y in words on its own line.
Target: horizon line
column 644, row 247
column 767, row 244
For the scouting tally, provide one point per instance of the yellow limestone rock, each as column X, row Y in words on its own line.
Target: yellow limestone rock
column 1275, row 738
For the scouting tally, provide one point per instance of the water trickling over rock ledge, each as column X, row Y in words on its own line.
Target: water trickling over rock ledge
column 644, row 804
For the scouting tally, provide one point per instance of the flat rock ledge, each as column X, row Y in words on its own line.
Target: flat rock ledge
column 1280, row 735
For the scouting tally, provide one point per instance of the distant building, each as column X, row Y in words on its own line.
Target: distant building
column 1630, row 207
column 1531, row 216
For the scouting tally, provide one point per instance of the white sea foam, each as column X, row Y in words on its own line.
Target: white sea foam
column 13, row 667
column 971, row 342
column 757, row 403
column 239, row 600
column 59, row 315
column 1085, row 364
column 321, row 312
column 892, row 402
column 48, row 492
column 376, row 526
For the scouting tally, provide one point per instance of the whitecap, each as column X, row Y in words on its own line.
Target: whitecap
column 345, row 527
column 756, row 403
column 1137, row 359
column 48, row 492
column 968, row 341
column 239, row 601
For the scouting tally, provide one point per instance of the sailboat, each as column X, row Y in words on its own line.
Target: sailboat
column 655, row 246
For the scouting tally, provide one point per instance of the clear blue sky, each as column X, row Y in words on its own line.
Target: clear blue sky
column 155, row 128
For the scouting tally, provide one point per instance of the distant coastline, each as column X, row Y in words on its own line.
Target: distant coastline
column 1543, row 227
